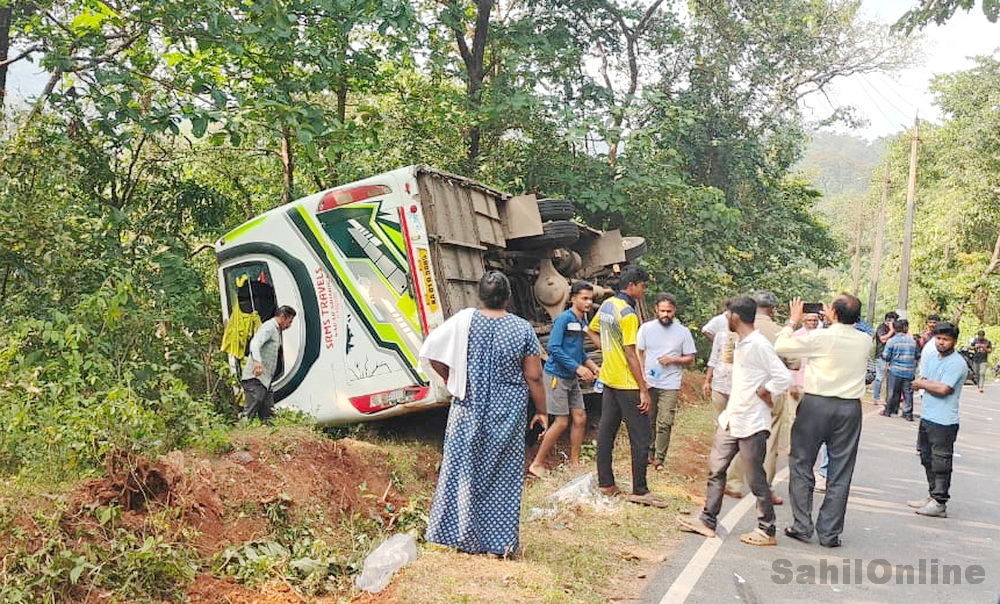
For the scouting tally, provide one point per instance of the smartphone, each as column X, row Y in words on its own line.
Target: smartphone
column 812, row 308
column 533, row 434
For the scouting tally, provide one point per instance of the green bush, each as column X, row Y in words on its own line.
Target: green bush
column 100, row 377
column 72, row 561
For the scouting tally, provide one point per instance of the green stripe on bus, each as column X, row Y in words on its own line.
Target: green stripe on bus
column 387, row 334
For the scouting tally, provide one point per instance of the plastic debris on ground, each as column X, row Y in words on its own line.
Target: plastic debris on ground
column 380, row 565
column 581, row 491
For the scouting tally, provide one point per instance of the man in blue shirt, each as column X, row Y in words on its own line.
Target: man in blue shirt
column 901, row 355
column 566, row 366
column 942, row 373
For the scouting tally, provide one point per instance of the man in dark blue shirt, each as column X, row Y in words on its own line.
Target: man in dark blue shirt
column 566, row 366
column 883, row 334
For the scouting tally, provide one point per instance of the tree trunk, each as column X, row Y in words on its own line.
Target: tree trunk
column 475, row 72
column 6, row 277
column 287, row 165
column 633, row 85
column 995, row 258
column 632, row 37
column 42, row 99
column 475, row 133
column 333, row 168
column 5, row 19
column 856, row 273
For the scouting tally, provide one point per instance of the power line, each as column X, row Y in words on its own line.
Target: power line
column 893, row 87
column 878, row 106
column 878, row 91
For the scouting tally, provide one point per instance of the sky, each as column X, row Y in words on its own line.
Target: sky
column 891, row 102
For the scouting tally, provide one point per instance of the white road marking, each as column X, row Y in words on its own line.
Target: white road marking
column 689, row 577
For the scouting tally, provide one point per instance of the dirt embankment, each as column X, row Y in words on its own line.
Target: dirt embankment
column 215, row 502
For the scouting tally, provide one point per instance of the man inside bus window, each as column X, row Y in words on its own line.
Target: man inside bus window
column 261, row 364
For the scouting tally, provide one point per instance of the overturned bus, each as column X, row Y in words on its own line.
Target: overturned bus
column 374, row 265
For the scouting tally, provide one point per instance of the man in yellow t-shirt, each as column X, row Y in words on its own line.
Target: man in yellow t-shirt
column 625, row 394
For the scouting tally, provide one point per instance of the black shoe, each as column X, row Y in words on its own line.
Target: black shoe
column 908, row 418
column 835, row 542
column 794, row 534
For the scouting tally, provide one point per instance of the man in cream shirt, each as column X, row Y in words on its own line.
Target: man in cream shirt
column 829, row 412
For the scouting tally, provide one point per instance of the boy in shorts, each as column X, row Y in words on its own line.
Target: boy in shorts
column 566, row 366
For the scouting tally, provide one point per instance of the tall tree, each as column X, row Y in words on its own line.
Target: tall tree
column 940, row 11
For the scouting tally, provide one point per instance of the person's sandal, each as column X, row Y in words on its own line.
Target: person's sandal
column 758, row 537
column 695, row 525
column 612, row 491
column 647, row 499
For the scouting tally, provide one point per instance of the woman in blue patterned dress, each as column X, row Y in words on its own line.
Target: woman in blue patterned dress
column 477, row 504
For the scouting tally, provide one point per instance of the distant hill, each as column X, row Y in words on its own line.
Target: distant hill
column 840, row 163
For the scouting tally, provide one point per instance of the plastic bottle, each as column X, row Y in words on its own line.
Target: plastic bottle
column 380, row 565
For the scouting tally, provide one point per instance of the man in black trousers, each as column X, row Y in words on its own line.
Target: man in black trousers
column 830, row 412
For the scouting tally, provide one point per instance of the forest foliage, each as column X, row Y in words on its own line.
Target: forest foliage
column 956, row 242
column 163, row 124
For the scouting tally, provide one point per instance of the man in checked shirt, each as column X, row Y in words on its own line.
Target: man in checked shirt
column 258, row 372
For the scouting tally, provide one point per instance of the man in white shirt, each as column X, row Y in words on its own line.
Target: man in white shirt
column 718, row 323
column 829, row 412
column 758, row 376
column 718, row 379
column 664, row 346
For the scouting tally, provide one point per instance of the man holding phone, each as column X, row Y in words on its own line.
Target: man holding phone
column 830, row 412
column 883, row 334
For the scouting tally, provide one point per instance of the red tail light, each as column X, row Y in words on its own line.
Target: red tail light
column 371, row 403
column 341, row 197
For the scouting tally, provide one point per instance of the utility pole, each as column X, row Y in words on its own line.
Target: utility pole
column 911, row 192
column 877, row 255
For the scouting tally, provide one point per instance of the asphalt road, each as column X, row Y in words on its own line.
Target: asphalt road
column 881, row 533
